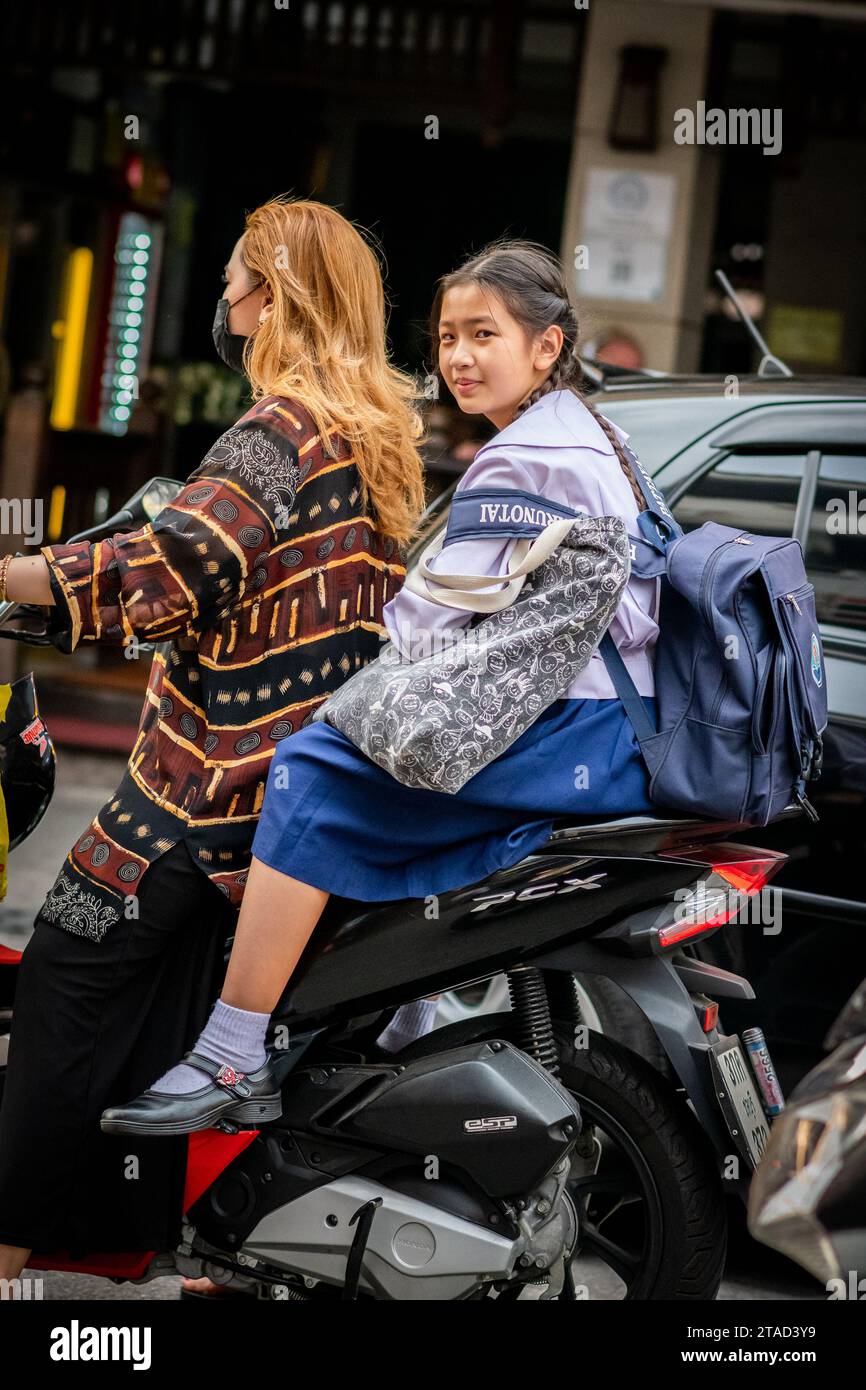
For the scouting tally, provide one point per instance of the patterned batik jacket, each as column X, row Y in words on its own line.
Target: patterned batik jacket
column 263, row 584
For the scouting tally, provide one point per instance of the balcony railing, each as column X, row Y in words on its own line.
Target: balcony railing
column 449, row 44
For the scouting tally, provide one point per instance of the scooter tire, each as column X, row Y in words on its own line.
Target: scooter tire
column 686, row 1222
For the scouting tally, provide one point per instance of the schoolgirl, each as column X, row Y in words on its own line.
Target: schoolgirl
column 332, row 820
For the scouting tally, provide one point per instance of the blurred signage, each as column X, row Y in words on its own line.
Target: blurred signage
column 129, row 328
column 798, row 333
column 626, row 229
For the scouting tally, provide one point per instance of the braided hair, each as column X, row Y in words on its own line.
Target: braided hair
column 531, row 284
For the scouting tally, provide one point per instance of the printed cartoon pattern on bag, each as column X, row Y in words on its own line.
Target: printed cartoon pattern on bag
column 433, row 723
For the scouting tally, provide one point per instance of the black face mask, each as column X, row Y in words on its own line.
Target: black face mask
column 230, row 346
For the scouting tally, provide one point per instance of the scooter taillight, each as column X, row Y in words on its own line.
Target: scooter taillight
column 744, row 868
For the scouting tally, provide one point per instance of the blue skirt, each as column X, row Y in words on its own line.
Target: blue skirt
column 334, row 819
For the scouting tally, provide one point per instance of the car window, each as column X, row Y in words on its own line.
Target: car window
column 658, row 432
column 836, row 541
column 753, row 492
column 434, row 520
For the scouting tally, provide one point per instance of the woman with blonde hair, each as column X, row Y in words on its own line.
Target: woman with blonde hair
column 263, row 584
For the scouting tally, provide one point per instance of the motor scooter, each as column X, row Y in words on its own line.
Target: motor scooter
column 508, row 1150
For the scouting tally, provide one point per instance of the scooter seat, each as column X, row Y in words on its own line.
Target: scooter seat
column 671, row 821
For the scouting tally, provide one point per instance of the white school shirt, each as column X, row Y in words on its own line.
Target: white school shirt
column 556, row 450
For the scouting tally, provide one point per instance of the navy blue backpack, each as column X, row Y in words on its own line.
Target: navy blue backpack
column 739, row 668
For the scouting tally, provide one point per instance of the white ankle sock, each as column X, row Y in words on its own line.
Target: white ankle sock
column 411, row 1021
column 234, row 1036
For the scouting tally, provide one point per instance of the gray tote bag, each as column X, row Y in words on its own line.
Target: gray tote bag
column 434, row 721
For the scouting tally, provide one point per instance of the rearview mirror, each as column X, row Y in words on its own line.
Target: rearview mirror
column 141, row 508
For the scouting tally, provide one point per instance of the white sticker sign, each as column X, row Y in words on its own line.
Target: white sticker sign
column 626, row 228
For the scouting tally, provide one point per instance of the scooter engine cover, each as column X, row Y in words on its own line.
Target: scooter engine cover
column 487, row 1108
column 26, row 759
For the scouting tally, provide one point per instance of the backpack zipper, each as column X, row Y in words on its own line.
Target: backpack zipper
column 710, row 570
column 790, row 599
column 708, row 573
column 722, row 691
column 718, row 701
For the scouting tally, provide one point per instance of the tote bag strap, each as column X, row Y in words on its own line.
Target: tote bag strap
column 457, row 590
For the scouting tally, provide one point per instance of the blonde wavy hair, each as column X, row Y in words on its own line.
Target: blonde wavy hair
column 324, row 345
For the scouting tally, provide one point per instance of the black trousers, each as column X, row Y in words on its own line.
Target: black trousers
column 94, row 1024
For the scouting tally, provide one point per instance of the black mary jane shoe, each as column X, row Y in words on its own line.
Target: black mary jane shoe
column 231, row 1099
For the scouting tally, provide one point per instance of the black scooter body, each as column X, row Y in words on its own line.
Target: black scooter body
column 584, row 882
column 588, row 903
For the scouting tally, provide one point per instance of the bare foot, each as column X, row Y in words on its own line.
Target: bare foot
column 206, row 1286
column 13, row 1258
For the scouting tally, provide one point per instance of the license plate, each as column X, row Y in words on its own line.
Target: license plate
column 738, row 1096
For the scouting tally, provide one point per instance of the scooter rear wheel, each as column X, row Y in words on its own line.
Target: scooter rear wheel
column 653, row 1212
